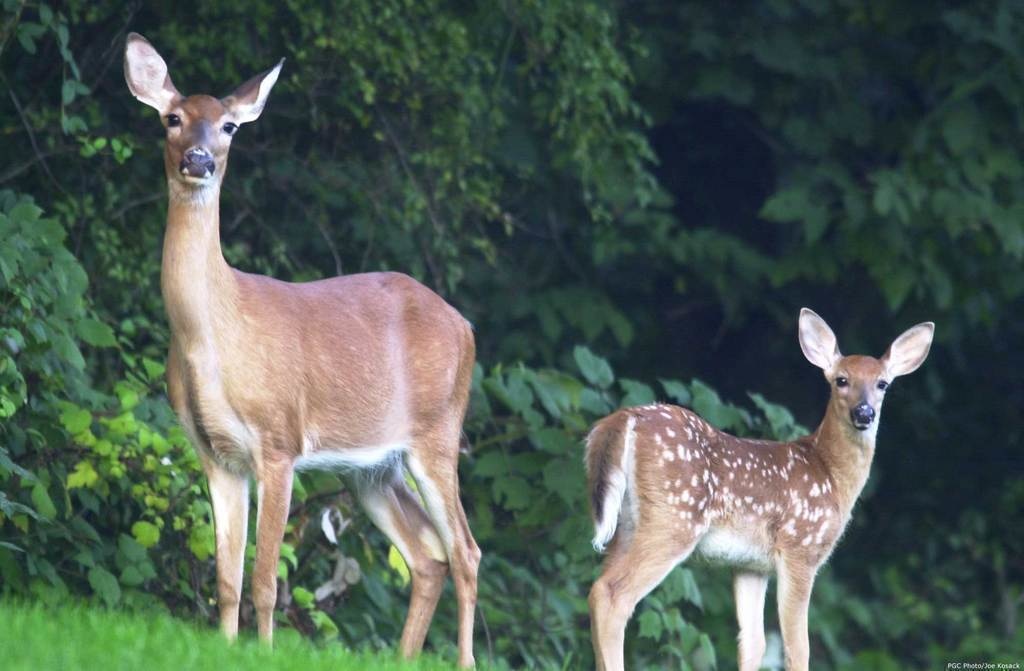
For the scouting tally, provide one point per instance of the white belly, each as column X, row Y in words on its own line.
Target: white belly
column 725, row 546
column 370, row 457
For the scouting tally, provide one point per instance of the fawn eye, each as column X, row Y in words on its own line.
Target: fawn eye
column 883, row 385
column 173, row 120
column 229, row 128
column 842, row 382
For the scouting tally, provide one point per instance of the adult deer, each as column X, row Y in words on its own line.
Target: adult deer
column 368, row 373
column 664, row 483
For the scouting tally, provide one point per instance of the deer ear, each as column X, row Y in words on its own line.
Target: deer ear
column 909, row 351
column 817, row 340
column 146, row 74
column 247, row 101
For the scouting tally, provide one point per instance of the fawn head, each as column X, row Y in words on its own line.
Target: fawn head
column 199, row 127
column 859, row 382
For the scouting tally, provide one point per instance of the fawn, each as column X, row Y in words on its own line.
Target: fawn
column 664, row 483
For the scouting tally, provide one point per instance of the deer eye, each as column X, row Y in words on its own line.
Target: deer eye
column 883, row 385
column 173, row 120
column 229, row 128
column 842, row 382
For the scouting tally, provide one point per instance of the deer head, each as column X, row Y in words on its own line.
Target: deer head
column 858, row 382
column 199, row 127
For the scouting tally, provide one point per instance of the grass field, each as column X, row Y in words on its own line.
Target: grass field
column 33, row 638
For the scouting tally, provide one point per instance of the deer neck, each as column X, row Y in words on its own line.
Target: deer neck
column 198, row 286
column 847, row 454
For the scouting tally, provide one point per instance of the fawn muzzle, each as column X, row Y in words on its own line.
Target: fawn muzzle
column 197, row 162
column 862, row 415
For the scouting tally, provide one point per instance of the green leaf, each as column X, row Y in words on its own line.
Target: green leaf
column 96, row 333
column 650, row 624
column 397, row 562
column 303, row 597
column 708, row 405
column 780, row 419
column 75, row 419
column 636, row 393
column 67, row 92
column 595, row 369
column 491, row 464
column 105, row 585
column 146, row 533
column 42, row 501
column 154, row 369
column 129, row 397
column 132, row 551
column 513, row 492
column 84, row 475
column 7, row 464
column 554, row 441
column 677, row 391
column 324, row 624
column 11, row 508
column 201, row 541
column 131, row 576
column 690, row 589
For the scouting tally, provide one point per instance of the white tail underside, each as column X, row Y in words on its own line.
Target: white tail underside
column 617, row 488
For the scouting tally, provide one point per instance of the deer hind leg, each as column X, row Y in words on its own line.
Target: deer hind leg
column 433, row 462
column 749, row 589
column 274, row 495
column 632, row 569
column 796, row 579
column 229, row 494
column 397, row 512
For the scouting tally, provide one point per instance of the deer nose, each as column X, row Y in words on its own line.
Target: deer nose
column 197, row 162
column 862, row 415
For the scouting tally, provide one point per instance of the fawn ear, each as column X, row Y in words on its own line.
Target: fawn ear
column 146, row 74
column 817, row 340
column 909, row 351
column 247, row 101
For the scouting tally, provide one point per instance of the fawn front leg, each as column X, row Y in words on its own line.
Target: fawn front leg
column 796, row 578
column 274, row 496
column 229, row 494
column 749, row 589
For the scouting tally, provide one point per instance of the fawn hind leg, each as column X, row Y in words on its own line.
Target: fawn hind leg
column 633, row 568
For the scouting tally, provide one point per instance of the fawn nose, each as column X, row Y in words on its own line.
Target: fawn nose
column 862, row 415
column 197, row 162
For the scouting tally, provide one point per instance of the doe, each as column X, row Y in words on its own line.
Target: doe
column 368, row 373
column 663, row 483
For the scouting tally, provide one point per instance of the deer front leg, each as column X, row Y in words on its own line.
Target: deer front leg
column 274, row 496
column 229, row 494
column 796, row 578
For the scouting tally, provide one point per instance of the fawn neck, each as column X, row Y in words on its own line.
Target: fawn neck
column 198, row 286
column 846, row 452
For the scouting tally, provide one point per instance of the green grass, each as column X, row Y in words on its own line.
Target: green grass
column 38, row 638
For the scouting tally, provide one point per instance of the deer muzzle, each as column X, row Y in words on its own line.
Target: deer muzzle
column 862, row 415
column 197, row 162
